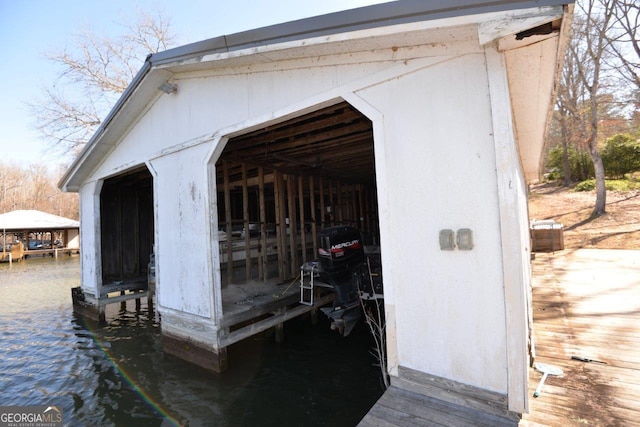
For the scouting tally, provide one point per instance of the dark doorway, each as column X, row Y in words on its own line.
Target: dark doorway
column 126, row 226
column 280, row 184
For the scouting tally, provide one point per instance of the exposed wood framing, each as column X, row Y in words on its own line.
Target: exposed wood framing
column 290, row 177
column 264, row 274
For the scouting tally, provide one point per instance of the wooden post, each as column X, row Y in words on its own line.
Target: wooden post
column 303, row 234
column 347, row 205
column 323, row 212
column 245, row 219
column 280, row 225
column 263, row 227
column 358, row 196
column 312, row 201
column 291, row 213
column 279, row 328
column 227, row 218
column 332, row 206
column 339, row 207
column 354, row 206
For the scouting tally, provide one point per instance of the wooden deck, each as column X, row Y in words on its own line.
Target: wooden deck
column 251, row 308
column 587, row 303
column 55, row 252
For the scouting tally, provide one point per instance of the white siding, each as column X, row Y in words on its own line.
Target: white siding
column 449, row 305
column 436, row 169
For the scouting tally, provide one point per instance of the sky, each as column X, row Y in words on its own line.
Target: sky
column 31, row 28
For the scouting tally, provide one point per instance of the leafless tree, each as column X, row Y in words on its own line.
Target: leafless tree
column 624, row 42
column 93, row 74
column 34, row 187
column 570, row 106
column 590, row 30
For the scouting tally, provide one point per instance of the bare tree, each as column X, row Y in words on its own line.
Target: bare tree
column 570, row 105
column 624, row 42
column 588, row 54
column 34, row 187
column 93, row 74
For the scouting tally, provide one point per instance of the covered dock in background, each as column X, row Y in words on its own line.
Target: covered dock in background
column 31, row 232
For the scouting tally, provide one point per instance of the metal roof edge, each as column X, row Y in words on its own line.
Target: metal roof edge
column 384, row 14
column 379, row 15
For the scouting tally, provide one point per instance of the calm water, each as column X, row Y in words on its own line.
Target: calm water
column 118, row 375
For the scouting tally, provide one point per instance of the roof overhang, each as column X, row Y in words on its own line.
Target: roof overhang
column 324, row 34
column 33, row 220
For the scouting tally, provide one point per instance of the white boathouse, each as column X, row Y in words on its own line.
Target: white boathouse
column 420, row 123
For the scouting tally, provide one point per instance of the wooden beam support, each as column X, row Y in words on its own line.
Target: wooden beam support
column 264, row 274
column 291, row 213
column 323, row 212
column 245, row 220
column 303, row 234
column 281, row 229
column 312, row 201
column 227, row 218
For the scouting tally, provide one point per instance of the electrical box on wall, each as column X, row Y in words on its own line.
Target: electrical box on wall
column 447, row 240
column 464, row 239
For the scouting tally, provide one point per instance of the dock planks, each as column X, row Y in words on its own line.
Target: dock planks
column 587, row 303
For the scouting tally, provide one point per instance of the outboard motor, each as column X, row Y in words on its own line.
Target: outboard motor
column 341, row 258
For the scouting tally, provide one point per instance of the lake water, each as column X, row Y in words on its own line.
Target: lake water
column 118, row 375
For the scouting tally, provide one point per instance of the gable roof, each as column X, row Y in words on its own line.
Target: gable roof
column 35, row 220
column 155, row 70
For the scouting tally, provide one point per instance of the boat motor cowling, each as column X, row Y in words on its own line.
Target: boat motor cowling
column 341, row 253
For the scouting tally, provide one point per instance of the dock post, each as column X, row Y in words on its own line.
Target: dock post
column 279, row 328
column 208, row 358
column 279, row 333
column 87, row 305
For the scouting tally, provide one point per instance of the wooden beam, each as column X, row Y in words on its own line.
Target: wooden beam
column 332, row 205
column 312, row 201
column 264, row 274
column 339, row 191
column 303, row 235
column 323, row 211
column 280, row 225
column 291, row 213
column 227, row 218
column 245, row 222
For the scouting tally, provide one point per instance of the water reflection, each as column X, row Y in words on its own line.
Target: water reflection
column 118, row 375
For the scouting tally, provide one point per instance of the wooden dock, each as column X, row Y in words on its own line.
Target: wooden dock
column 586, row 303
column 55, row 252
column 254, row 307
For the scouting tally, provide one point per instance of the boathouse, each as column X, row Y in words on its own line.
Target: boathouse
column 420, row 123
column 28, row 232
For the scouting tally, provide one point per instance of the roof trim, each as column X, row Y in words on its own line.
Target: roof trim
column 380, row 15
column 368, row 17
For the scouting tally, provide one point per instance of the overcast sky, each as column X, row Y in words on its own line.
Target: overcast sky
column 30, row 28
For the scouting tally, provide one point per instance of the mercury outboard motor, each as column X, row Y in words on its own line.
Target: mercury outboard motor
column 341, row 258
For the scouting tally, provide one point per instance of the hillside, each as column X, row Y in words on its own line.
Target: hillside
column 619, row 228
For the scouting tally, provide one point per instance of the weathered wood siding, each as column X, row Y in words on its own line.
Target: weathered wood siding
column 433, row 105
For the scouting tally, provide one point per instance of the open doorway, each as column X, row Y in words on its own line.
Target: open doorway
column 126, row 226
column 279, row 189
column 278, row 186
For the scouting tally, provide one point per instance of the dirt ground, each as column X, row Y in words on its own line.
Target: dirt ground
column 619, row 228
